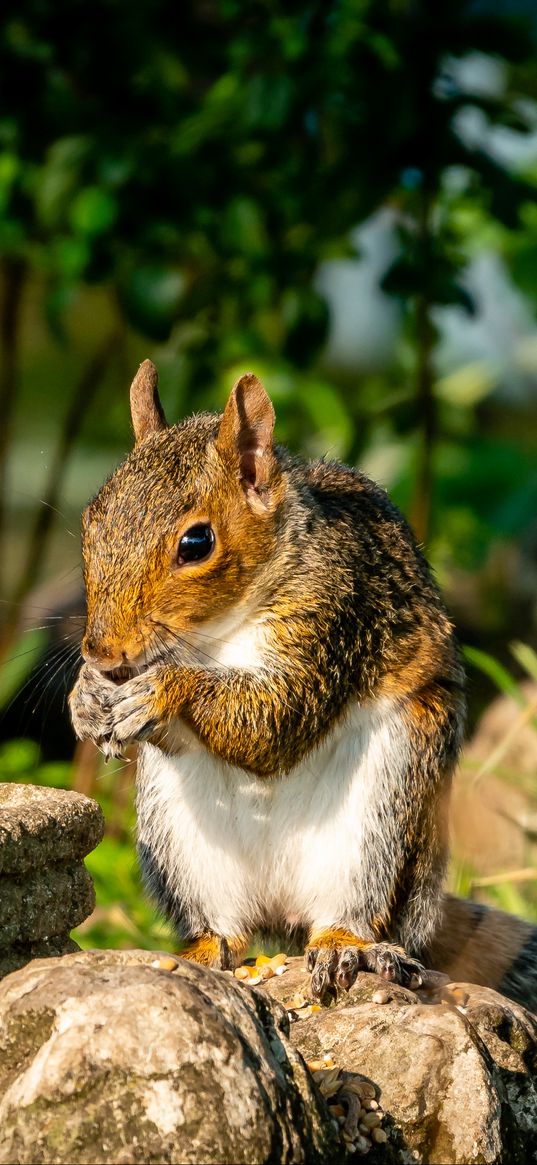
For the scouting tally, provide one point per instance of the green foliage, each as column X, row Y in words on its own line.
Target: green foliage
column 178, row 177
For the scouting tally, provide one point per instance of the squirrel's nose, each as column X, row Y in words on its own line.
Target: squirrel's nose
column 99, row 653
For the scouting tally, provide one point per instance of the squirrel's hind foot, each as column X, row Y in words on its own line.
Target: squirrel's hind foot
column 335, row 958
column 213, row 950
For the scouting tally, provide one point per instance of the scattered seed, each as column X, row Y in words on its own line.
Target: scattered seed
column 381, row 996
column 165, row 963
column 280, row 970
column 242, row 972
column 379, row 1136
column 296, row 1003
column 362, row 1088
column 371, row 1120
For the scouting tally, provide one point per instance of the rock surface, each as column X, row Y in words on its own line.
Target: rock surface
column 40, row 827
column 106, row 1058
column 457, row 1080
column 126, row 1056
column 45, row 889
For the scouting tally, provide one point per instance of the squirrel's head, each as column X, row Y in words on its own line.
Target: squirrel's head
column 184, row 530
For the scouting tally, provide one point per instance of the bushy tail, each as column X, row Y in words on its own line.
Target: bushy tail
column 478, row 944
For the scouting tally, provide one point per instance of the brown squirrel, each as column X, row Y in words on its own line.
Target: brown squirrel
column 271, row 632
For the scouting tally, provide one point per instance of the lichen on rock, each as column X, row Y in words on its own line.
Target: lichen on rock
column 106, row 1058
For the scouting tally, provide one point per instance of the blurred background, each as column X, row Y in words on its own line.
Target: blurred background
column 341, row 195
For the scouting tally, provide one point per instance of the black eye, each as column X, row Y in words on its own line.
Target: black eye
column 195, row 544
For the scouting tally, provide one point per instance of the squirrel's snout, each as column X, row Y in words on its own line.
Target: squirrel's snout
column 101, row 654
column 115, row 665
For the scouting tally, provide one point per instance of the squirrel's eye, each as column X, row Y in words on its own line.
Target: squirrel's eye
column 195, row 544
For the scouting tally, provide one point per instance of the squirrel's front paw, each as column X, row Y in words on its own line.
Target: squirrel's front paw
column 336, row 964
column 90, row 705
column 134, row 713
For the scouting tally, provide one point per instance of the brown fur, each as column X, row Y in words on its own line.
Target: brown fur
column 349, row 609
column 213, row 951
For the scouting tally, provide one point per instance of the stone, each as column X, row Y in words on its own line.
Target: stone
column 105, row 1057
column 49, row 902
column 41, row 827
column 457, row 1083
column 45, row 889
column 19, row 954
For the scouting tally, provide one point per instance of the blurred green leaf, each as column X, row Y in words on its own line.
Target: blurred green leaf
column 496, row 672
column 18, row 760
column 93, row 211
column 151, row 297
column 23, row 656
column 526, row 657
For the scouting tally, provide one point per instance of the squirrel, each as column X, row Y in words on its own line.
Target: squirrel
column 268, row 629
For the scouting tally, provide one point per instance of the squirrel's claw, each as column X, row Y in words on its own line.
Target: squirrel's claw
column 112, row 716
column 337, row 967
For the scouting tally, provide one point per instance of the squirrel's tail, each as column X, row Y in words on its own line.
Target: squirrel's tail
column 478, row 944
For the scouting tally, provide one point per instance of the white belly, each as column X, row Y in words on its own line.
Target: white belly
column 276, row 851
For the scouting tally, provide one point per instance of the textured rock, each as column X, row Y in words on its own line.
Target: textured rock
column 105, row 1058
column 42, row 827
column 19, row 954
column 45, row 889
column 458, row 1082
column 49, row 902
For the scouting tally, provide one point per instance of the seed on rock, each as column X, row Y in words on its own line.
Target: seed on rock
column 362, row 1146
column 371, row 1120
column 362, row 1088
column 296, row 1002
column 165, row 963
column 242, row 972
column 381, row 996
column 278, row 960
column 379, row 1136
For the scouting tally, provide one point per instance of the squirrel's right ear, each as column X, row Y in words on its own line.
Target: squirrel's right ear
column 246, row 430
column 146, row 410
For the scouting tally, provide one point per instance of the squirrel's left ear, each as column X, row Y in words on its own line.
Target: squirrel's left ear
column 246, row 429
column 146, row 410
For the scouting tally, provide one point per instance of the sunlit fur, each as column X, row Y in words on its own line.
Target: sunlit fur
column 301, row 687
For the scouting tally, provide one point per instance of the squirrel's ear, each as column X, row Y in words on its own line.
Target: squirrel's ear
column 146, row 410
column 246, row 429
